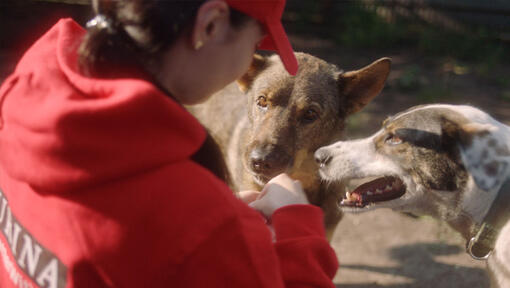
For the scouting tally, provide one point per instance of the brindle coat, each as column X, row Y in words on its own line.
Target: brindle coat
column 271, row 122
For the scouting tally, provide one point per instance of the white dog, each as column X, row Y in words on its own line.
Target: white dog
column 451, row 162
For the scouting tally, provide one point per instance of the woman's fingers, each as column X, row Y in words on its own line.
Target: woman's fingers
column 278, row 192
column 248, row 196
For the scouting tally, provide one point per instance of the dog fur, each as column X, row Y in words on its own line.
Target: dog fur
column 270, row 122
column 447, row 161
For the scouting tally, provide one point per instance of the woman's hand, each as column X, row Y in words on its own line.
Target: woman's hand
column 278, row 192
column 248, row 196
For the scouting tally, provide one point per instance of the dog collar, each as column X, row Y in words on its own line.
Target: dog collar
column 481, row 245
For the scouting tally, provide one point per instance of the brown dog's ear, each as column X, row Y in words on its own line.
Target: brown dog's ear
column 361, row 86
column 257, row 65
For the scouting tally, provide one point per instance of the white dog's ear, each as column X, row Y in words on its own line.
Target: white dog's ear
column 257, row 65
column 361, row 86
column 484, row 155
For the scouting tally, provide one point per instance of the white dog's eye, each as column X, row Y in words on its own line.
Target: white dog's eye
column 262, row 101
column 392, row 139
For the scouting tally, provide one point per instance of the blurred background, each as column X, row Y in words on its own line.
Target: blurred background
column 443, row 51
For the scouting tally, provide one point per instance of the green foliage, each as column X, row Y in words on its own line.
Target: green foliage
column 355, row 25
column 476, row 46
column 434, row 93
column 362, row 28
column 506, row 95
column 410, row 78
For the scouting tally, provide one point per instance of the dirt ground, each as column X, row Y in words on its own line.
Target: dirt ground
column 383, row 248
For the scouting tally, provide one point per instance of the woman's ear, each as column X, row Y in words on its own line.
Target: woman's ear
column 212, row 20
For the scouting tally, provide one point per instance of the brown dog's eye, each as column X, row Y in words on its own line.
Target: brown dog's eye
column 262, row 101
column 392, row 139
column 311, row 115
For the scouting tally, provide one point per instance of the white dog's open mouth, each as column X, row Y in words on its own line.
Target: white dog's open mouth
column 378, row 190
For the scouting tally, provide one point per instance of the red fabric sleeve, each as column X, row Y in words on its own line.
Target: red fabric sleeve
column 242, row 254
column 306, row 258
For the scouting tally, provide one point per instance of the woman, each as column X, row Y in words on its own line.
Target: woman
column 102, row 178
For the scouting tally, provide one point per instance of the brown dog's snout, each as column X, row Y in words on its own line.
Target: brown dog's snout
column 268, row 160
column 322, row 157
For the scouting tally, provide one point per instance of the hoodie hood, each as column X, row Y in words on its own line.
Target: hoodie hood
column 61, row 131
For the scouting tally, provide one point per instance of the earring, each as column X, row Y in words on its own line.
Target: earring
column 198, row 44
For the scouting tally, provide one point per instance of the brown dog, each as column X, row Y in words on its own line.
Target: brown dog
column 271, row 122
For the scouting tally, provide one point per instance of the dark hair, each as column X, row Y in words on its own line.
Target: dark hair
column 137, row 31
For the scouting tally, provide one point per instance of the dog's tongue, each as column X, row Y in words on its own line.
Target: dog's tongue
column 381, row 189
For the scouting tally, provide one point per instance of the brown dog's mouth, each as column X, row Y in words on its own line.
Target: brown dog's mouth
column 379, row 190
column 261, row 179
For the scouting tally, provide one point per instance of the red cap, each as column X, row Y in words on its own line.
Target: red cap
column 269, row 13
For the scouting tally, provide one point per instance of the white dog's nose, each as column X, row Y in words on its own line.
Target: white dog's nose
column 322, row 157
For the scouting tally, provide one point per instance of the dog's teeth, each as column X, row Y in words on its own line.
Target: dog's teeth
column 388, row 187
column 378, row 191
column 350, row 197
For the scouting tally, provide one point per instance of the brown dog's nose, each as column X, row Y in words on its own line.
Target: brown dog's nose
column 322, row 157
column 268, row 160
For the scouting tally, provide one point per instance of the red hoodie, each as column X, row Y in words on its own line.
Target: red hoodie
column 97, row 189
